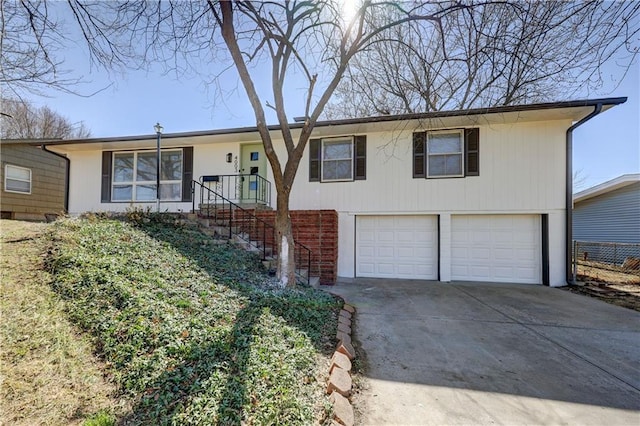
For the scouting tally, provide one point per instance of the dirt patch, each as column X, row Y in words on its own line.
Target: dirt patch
column 625, row 295
column 609, row 283
column 49, row 375
column 606, row 273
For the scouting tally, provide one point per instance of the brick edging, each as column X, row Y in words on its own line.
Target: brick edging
column 340, row 383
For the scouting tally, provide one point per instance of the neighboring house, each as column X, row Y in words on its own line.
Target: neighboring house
column 33, row 181
column 609, row 213
column 474, row 195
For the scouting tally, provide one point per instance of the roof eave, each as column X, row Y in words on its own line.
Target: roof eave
column 606, row 187
column 377, row 119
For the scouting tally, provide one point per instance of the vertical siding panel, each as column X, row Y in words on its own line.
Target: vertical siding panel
column 610, row 217
column 521, row 169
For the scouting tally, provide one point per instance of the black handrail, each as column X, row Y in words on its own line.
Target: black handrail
column 246, row 225
column 240, row 188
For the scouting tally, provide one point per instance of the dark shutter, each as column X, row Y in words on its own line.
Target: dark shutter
column 360, row 158
column 187, row 172
column 105, row 191
column 314, row 160
column 419, row 149
column 472, row 152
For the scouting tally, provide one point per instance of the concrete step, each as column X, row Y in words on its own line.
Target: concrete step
column 302, row 272
column 314, row 282
column 220, row 230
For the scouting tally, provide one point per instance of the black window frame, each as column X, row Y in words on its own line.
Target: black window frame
column 358, row 154
column 186, row 178
column 470, row 154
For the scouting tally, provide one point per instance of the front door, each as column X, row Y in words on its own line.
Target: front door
column 252, row 162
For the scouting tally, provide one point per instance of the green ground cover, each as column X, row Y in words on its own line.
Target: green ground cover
column 192, row 332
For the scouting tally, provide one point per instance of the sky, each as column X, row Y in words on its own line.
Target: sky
column 130, row 104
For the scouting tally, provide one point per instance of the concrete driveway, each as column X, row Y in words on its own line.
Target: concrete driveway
column 478, row 353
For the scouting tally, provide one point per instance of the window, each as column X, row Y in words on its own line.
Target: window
column 17, row 179
column 134, row 176
column 338, row 159
column 446, row 153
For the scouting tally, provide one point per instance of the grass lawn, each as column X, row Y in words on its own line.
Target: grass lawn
column 49, row 375
column 190, row 332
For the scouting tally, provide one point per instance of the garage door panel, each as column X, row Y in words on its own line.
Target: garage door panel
column 367, row 251
column 503, row 248
column 459, row 236
column 423, row 252
column 527, row 274
column 479, row 271
column 503, row 254
column 405, row 270
column 386, row 269
column 460, row 269
column 405, row 236
column 505, row 272
column 385, row 252
column 525, row 254
column 367, row 236
column 384, row 236
column 479, row 253
column 406, row 252
column 459, row 252
column 397, row 246
column 503, row 237
column 421, row 236
column 367, row 268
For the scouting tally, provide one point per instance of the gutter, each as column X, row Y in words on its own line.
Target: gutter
column 569, row 192
column 349, row 121
column 66, row 177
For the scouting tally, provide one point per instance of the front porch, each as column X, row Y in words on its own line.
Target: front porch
column 247, row 190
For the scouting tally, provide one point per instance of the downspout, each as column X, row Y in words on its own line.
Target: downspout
column 569, row 192
column 66, row 179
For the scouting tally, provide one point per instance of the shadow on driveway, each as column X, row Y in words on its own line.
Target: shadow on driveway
column 481, row 353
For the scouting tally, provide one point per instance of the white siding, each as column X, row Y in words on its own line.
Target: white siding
column 521, row 172
column 521, row 169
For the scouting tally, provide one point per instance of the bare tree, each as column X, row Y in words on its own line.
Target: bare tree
column 33, row 39
column 579, row 180
column 491, row 54
column 308, row 42
column 458, row 51
column 22, row 120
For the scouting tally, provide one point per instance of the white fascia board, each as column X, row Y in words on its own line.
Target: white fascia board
column 608, row 186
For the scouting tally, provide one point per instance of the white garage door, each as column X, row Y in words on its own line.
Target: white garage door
column 397, row 247
column 499, row 248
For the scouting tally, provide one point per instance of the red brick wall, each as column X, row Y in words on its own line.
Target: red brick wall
column 317, row 230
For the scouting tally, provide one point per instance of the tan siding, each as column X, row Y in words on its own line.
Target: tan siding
column 47, row 180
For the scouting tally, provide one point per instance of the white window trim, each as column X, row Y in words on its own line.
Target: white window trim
column 461, row 152
column 322, row 160
column 6, row 173
column 136, row 183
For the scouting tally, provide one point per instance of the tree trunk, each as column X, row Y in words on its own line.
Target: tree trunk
column 286, row 245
